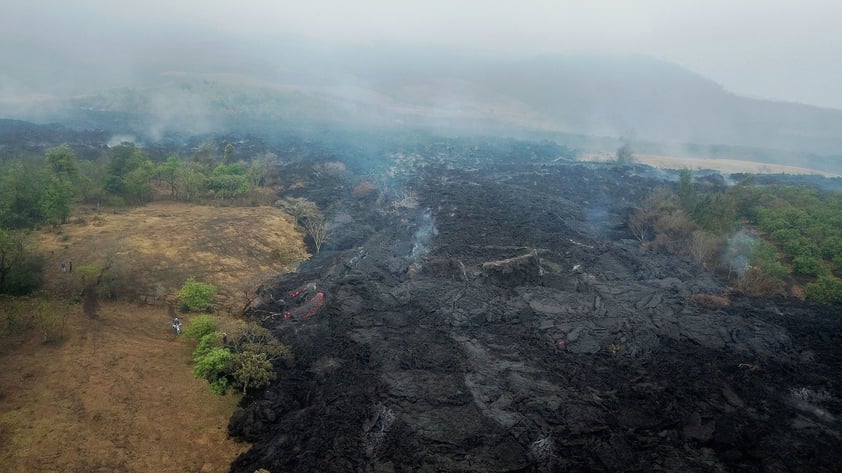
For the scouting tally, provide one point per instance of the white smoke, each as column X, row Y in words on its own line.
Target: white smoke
column 423, row 235
column 737, row 255
column 117, row 140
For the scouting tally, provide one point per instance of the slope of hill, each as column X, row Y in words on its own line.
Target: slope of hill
column 639, row 98
column 116, row 392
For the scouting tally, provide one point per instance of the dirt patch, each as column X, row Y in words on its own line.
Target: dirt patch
column 117, row 394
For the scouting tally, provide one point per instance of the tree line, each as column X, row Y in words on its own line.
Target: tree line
column 36, row 192
column 760, row 236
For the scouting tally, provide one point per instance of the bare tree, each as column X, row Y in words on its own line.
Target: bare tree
column 250, row 290
column 318, row 228
column 703, row 245
column 640, row 223
column 300, row 208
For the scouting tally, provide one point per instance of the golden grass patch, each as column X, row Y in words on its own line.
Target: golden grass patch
column 153, row 249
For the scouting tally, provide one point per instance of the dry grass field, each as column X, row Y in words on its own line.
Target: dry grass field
column 116, row 392
column 721, row 165
column 153, row 249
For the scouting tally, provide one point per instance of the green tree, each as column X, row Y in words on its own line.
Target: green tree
column 190, row 181
column 13, row 246
column 137, row 187
column 22, row 184
column 168, row 170
column 808, row 265
column 196, row 295
column 252, row 370
column 826, row 289
column 21, row 270
column 763, row 257
column 57, row 202
column 119, row 163
column 200, row 326
column 212, row 366
column 249, row 337
column 228, row 180
column 63, row 162
column 92, row 177
column 259, row 169
column 129, row 173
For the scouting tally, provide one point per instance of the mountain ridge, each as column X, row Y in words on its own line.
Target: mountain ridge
column 637, row 98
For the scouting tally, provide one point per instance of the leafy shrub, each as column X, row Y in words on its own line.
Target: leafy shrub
column 765, row 260
column 26, row 277
column 252, row 370
column 244, row 361
column 826, row 289
column 207, row 343
column 197, row 295
column 212, row 366
column 14, row 315
column 50, row 319
column 200, row 326
column 808, row 265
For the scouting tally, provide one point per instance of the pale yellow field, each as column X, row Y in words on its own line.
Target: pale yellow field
column 721, row 165
column 153, row 249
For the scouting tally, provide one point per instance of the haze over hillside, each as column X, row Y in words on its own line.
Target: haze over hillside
column 635, row 97
column 653, row 71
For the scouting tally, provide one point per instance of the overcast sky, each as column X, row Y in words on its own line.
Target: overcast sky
column 785, row 50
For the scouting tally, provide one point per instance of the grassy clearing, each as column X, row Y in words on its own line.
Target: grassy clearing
column 154, row 249
column 116, row 392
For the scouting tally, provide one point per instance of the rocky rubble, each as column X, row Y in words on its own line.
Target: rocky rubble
column 510, row 324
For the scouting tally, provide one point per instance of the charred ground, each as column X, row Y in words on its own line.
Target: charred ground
column 507, row 322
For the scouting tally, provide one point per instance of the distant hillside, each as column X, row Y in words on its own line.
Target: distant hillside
column 20, row 137
column 637, row 98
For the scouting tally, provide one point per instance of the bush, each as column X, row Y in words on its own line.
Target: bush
column 25, row 278
column 245, row 360
column 200, row 326
column 197, row 295
column 808, row 266
column 826, row 289
column 764, row 258
column 14, row 316
column 50, row 319
column 252, row 370
column 207, row 343
column 212, row 366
